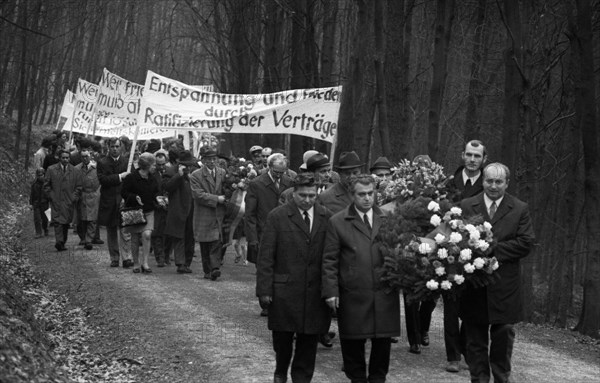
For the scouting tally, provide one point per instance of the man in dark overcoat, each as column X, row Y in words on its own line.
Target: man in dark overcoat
column 338, row 197
column 351, row 285
column 63, row 188
column 87, row 208
column 489, row 313
column 112, row 170
column 288, row 279
column 180, row 213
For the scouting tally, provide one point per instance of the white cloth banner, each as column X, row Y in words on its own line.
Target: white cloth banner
column 118, row 97
column 66, row 111
column 170, row 104
column 85, row 101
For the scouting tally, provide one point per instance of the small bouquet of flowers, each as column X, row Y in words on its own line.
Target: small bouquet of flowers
column 239, row 174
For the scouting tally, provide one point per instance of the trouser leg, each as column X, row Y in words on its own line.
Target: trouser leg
column 215, row 254
column 157, row 245
column 168, row 247
column 81, row 228
column 178, row 246
column 59, row 236
column 477, row 352
column 65, row 229
column 90, row 231
column 189, row 241
column 353, row 355
column 452, row 336
column 305, row 355
column 112, row 240
column 425, row 310
column 205, row 255
column 37, row 220
column 411, row 314
column 379, row 361
column 502, row 339
column 283, row 342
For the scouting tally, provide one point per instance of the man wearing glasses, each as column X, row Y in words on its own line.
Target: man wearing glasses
column 63, row 186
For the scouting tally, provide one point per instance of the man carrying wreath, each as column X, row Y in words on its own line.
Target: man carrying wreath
column 489, row 313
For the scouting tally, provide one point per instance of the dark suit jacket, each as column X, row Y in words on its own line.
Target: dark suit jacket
column 513, row 231
column 457, row 189
column 289, row 270
column 352, row 267
column 261, row 198
column 110, row 189
column 336, row 198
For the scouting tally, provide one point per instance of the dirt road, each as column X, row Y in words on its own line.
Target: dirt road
column 183, row 328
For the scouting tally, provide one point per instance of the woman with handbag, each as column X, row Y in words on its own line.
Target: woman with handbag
column 139, row 192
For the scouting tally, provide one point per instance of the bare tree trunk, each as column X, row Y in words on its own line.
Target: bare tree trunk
column 382, row 109
column 582, row 43
column 471, row 120
column 22, row 85
column 443, row 32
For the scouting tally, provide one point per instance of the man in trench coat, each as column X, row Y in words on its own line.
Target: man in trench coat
column 87, row 207
column 288, row 279
column 63, row 188
column 489, row 313
column 351, row 285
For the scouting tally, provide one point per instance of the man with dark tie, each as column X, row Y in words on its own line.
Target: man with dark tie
column 489, row 313
column 262, row 197
column 288, row 279
column 63, row 188
column 352, row 264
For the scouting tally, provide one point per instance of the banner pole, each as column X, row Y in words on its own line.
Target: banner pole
column 133, row 145
column 72, row 120
column 332, row 153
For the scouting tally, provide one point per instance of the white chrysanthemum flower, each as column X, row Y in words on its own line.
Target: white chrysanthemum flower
column 440, row 270
column 465, row 255
column 435, row 220
column 474, row 234
column 454, row 224
column 478, row 263
column 242, row 159
column 469, row 268
column 469, row 228
column 424, row 248
column 250, row 166
column 487, row 225
column 495, row 264
column 439, row 238
column 442, row 253
column 459, row 279
column 483, row 245
column 433, row 206
column 455, row 237
column 446, row 285
column 456, row 211
column 432, row 284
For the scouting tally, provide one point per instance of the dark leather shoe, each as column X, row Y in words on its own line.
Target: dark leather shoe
column 207, row 276
column 82, row 243
column 181, row 269
column 216, row 273
column 425, row 339
column 88, row 246
column 114, row 264
column 394, row 340
column 279, row 379
column 60, row 247
column 325, row 340
column 97, row 242
column 264, row 313
column 415, row 349
column 188, row 270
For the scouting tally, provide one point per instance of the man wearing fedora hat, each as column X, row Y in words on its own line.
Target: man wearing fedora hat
column 382, row 168
column 338, row 197
column 180, row 213
column 256, row 156
column 207, row 188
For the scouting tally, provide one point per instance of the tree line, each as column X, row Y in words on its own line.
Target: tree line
column 419, row 77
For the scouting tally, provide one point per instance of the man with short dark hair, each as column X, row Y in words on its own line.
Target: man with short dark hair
column 288, row 279
column 112, row 170
column 467, row 181
column 489, row 313
column 352, row 264
column 63, row 188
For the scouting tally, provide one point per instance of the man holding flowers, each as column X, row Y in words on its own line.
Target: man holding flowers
column 490, row 312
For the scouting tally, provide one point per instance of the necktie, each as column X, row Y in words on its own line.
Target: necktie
column 84, row 167
column 366, row 219
column 212, row 173
column 307, row 220
column 277, row 184
column 493, row 209
column 468, row 183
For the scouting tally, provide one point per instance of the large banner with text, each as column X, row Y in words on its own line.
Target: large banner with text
column 169, row 104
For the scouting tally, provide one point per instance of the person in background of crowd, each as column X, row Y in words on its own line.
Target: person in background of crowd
column 266, row 152
column 43, row 151
column 307, row 154
column 490, row 312
column 288, row 279
column 140, row 188
column 256, row 157
column 382, row 169
column 39, row 203
column 112, row 170
column 96, row 152
column 160, row 214
column 173, row 155
column 53, row 157
column 63, row 188
column 338, row 197
column 209, row 201
column 180, row 212
column 320, row 166
column 76, row 150
column 351, row 270
column 87, row 206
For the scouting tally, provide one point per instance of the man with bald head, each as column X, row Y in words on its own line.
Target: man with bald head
column 489, row 313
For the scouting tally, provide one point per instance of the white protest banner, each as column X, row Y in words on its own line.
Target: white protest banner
column 85, row 100
column 66, row 112
column 206, row 88
column 170, row 104
column 118, row 97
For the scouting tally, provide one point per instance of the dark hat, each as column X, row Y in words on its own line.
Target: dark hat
column 153, row 145
column 256, row 148
column 208, row 152
column 186, row 158
column 316, row 161
column 381, row 163
column 349, row 160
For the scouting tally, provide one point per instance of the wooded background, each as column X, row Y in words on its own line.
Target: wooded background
column 420, row 77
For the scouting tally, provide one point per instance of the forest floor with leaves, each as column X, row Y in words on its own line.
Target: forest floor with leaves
column 90, row 322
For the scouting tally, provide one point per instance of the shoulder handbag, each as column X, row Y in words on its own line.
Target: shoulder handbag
column 131, row 216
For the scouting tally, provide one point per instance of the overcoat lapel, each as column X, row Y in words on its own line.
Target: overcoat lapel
column 296, row 219
column 209, row 178
column 479, row 208
column 505, row 206
column 357, row 221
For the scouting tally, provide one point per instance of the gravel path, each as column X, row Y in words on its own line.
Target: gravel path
column 183, row 328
